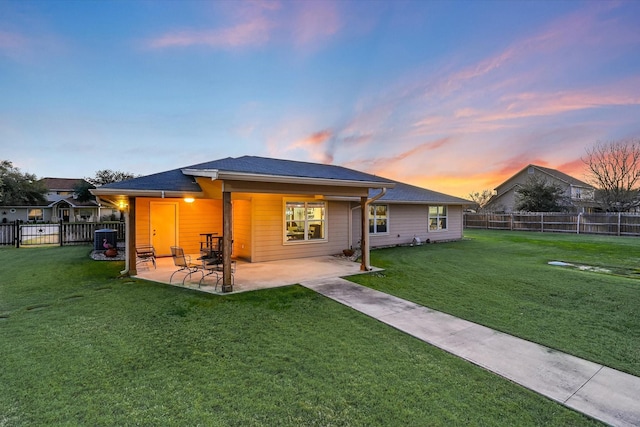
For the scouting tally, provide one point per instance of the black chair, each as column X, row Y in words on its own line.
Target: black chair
column 184, row 264
column 146, row 253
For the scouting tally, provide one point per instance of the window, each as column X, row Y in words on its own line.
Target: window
column 377, row 219
column 437, row 218
column 305, row 221
column 35, row 215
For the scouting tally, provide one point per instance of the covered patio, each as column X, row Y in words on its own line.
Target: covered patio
column 255, row 276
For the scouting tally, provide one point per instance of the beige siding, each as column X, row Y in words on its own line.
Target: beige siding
column 201, row 216
column 242, row 229
column 407, row 221
column 268, row 230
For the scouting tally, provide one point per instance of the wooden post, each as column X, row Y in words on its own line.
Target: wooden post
column 130, row 236
column 227, row 230
column 364, row 240
column 60, row 233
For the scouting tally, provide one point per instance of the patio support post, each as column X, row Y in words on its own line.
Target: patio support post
column 364, row 240
column 227, row 240
column 130, row 238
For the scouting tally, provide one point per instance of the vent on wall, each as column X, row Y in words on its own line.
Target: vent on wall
column 531, row 171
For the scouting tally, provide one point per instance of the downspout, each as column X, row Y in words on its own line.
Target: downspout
column 365, row 229
column 125, row 272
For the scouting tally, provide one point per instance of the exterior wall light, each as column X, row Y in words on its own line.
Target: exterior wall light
column 189, row 199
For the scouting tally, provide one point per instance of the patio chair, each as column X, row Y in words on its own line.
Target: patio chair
column 214, row 266
column 146, row 253
column 184, row 264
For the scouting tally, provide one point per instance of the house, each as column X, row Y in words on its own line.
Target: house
column 62, row 204
column 269, row 209
column 579, row 194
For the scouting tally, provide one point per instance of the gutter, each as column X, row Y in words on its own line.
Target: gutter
column 365, row 266
column 215, row 174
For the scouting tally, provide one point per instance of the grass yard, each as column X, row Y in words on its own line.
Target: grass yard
column 502, row 280
column 80, row 347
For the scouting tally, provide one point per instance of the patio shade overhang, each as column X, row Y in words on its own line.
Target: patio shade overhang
column 215, row 174
column 244, row 182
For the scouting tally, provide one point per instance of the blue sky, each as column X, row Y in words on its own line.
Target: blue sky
column 454, row 96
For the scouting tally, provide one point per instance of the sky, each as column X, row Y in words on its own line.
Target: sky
column 454, row 96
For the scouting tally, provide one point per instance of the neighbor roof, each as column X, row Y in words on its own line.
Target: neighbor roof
column 62, row 184
column 562, row 176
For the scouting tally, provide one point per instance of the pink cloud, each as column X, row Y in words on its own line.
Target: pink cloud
column 12, row 41
column 315, row 21
column 256, row 23
column 253, row 33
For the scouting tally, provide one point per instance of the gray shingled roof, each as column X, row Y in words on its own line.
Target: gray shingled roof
column 291, row 168
column 410, row 193
column 563, row 176
column 175, row 180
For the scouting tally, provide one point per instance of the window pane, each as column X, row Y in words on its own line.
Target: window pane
column 305, row 220
column 433, row 210
column 316, row 230
column 433, row 224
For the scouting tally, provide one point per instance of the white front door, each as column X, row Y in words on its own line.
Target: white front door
column 163, row 227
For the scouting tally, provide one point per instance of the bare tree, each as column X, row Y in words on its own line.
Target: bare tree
column 481, row 198
column 614, row 167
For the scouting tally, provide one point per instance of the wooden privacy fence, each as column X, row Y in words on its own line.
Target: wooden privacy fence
column 71, row 233
column 616, row 224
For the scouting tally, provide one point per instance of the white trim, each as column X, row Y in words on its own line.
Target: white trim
column 437, row 217
column 376, row 233
column 305, row 241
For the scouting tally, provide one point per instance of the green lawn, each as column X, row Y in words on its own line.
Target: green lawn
column 503, row 280
column 80, row 347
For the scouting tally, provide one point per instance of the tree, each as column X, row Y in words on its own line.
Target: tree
column 481, row 199
column 82, row 191
column 20, row 189
column 536, row 195
column 614, row 168
column 107, row 176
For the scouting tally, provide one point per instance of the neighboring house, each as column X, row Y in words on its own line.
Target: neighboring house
column 269, row 209
column 61, row 204
column 579, row 194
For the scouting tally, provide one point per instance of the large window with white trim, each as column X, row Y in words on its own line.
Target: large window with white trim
column 378, row 219
column 437, row 218
column 305, row 221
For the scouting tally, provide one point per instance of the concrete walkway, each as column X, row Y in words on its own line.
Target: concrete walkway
column 603, row 393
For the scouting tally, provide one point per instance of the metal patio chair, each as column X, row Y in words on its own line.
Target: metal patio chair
column 184, row 264
column 146, row 253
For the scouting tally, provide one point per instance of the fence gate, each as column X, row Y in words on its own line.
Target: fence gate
column 39, row 234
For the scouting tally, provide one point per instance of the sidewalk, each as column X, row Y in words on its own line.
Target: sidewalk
column 603, row 393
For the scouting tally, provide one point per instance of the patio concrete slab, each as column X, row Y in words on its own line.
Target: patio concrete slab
column 600, row 392
column 254, row 276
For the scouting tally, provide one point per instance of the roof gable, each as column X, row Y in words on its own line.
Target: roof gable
column 554, row 173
